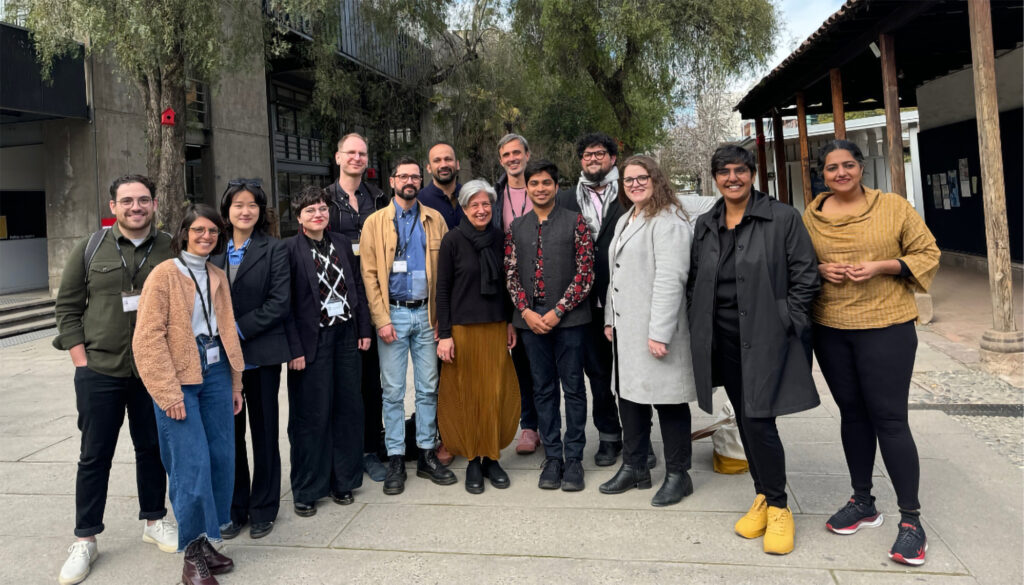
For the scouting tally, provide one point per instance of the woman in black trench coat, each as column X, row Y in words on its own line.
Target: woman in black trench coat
column 753, row 277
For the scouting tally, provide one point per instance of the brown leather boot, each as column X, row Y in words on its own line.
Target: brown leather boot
column 196, row 571
column 218, row 563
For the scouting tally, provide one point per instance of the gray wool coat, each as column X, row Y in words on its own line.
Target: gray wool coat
column 649, row 262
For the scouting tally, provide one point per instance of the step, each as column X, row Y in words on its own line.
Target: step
column 28, row 327
column 7, row 308
column 10, row 318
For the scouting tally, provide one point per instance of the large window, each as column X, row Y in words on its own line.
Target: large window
column 289, row 184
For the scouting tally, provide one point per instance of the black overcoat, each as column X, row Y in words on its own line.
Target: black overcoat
column 776, row 282
column 261, row 298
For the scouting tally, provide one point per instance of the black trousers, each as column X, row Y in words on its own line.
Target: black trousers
column 868, row 372
column 761, row 443
column 102, row 402
column 260, row 500
column 521, row 362
column 373, row 397
column 325, row 422
column 674, row 420
column 597, row 364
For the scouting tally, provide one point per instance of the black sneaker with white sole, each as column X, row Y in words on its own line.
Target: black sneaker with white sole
column 854, row 516
column 911, row 543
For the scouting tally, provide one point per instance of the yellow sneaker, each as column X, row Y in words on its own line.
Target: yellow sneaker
column 778, row 536
column 753, row 523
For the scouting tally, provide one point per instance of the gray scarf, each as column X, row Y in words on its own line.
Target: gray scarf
column 611, row 192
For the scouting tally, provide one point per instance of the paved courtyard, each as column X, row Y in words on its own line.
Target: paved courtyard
column 971, row 492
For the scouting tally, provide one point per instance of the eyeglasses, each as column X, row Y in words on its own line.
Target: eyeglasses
column 408, row 178
column 201, row 230
column 355, row 153
column 258, row 183
column 740, row 172
column 639, row 180
column 596, row 155
column 129, row 202
column 323, row 209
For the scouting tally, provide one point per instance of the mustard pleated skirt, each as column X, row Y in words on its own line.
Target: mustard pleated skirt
column 478, row 398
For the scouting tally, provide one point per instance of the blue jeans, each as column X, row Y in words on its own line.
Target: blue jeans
column 558, row 356
column 199, row 454
column 416, row 337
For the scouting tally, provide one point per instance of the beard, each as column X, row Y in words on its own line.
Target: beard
column 407, row 193
column 445, row 180
column 596, row 177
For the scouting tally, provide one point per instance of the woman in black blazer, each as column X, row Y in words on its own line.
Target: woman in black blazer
column 329, row 325
column 257, row 269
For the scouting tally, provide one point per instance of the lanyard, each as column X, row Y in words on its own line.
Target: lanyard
column 403, row 248
column 209, row 293
column 137, row 268
column 508, row 197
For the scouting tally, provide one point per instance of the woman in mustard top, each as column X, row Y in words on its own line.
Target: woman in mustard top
column 874, row 252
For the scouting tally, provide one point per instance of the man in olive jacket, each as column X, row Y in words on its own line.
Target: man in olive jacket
column 95, row 311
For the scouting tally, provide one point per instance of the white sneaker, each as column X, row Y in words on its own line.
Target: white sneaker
column 81, row 555
column 163, row 533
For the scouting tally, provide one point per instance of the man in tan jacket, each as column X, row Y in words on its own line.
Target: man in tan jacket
column 398, row 249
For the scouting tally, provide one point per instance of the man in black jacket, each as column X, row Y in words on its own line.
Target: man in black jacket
column 597, row 198
column 352, row 201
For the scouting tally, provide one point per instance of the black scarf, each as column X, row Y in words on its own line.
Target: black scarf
column 483, row 242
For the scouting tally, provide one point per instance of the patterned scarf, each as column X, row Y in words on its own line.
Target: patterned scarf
column 611, row 192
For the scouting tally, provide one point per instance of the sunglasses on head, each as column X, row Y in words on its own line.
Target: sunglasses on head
column 246, row 183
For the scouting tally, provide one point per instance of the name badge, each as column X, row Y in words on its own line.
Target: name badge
column 355, row 249
column 212, row 352
column 400, row 267
column 335, row 308
column 130, row 302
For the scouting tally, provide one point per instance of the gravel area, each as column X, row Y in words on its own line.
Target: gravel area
column 1005, row 434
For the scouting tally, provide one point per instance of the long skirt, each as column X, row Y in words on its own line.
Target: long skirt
column 478, row 401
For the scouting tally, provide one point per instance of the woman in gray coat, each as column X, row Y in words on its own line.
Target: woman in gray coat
column 645, row 318
column 753, row 277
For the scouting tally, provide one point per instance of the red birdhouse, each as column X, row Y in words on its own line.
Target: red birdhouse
column 371, row 173
column 167, row 117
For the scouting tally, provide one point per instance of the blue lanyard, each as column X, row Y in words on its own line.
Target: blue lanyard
column 404, row 247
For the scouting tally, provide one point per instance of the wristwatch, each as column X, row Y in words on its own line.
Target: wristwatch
column 559, row 312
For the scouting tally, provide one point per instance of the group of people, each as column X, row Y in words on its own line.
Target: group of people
column 505, row 297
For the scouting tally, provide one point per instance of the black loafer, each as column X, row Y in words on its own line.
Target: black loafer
column 495, row 473
column 344, row 498
column 230, row 530
column 260, row 529
column 305, row 510
column 607, row 453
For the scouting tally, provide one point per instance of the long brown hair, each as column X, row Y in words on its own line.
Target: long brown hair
column 662, row 195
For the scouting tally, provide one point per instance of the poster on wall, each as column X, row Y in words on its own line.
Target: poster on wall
column 936, row 190
column 954, row 189
column 965, row 174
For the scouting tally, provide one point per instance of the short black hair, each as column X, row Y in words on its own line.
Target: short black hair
column 194, row 212
column 730, row 154
column 253, row 186
column 846, row 145
column 541, row 166
column 588, row 140
column 146, row 182
column 309, row 195
column 406, row 160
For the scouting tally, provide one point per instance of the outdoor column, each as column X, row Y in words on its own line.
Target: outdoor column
column 893, row 128
column 781, row 185
column 762, row 156
column 805, row 161
column 1003, row 337
column 838, row 110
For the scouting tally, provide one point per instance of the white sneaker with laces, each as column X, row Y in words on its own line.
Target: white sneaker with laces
column 81, row 555
column 163, row 533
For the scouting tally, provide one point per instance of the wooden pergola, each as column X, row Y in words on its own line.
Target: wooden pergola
column 876, row 53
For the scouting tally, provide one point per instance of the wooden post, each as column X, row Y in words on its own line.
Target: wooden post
column 781, row 185
column 838, row 109
column 805, row 155
column 1003, row 337
column 893, row 127
column 762, row 156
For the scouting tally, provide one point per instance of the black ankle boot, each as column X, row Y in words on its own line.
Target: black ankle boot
column 627, row 478
column 475, row 477
column 677, row 486
column 495, row 473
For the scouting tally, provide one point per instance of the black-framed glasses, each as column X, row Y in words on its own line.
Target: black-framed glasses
column 596, row 155
column 639, row 180
column 408, row 178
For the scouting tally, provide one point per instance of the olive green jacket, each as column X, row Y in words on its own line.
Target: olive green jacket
column 89, row 308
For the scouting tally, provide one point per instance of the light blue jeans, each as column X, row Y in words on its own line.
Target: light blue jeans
column 416, row 337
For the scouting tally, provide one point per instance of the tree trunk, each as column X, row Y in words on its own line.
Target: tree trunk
column 164, row 88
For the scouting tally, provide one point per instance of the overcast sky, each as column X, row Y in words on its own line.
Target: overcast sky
column 800, row 18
